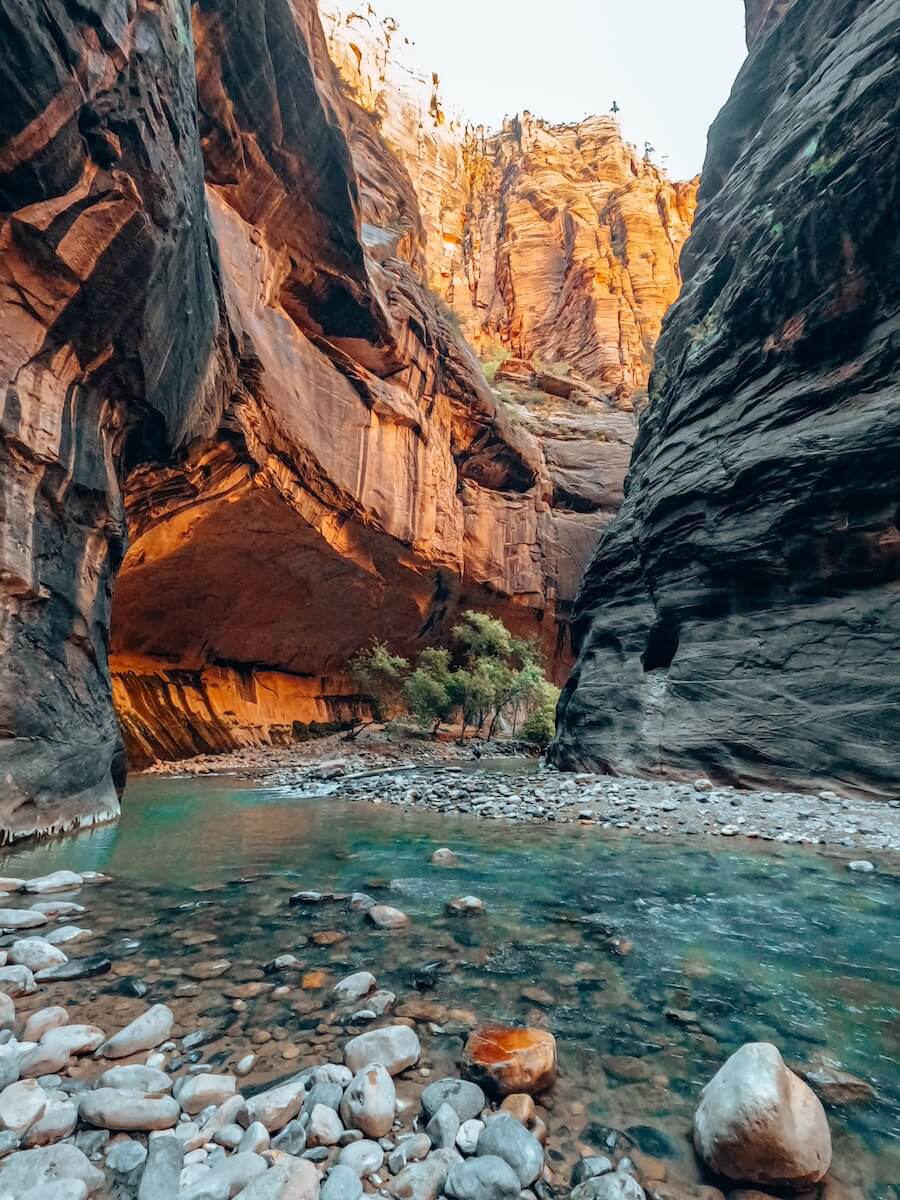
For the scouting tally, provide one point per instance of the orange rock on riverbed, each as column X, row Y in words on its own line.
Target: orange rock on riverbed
column 506, row 1060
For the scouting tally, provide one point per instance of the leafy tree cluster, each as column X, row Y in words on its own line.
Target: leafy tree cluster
column 490, row 676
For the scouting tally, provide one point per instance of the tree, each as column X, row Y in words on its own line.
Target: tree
column 482, row 635
column 380, row 676
column 428, row 690
column 540, row 724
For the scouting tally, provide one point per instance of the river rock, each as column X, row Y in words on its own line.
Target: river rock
column 126, row 1157
column 254, row 1139
column 353, row 987
column 409, row 1149
column 56, row 1047
column 8, row 1012
column 10, row 1055
column 465, row 1097
column 108, row 1108
column 467, row 1136
column 57, row 1121
column 363, row 1157
column 197, row 1092
column 618, row 1185
column 488, row 1178
column 424, row 1180
column 862, row 866
column 58, row 881
column 838, row 1088
column 43, row 1021
column 758, row 1122
column 66, row 934
column 445, row 857
column 341, row 1183
column 443, row 1127
column 288, row 1179
column 36, row 953
column 36, row 1168
column 465, row 906
column 148, row 1081
column 395, row 1047
column 323, row 1092
column 386, row 917
column 589, row 1167
column 60, row 1189
column 325, row 1127
column 506, row 1137
column 75, row 968
column 22, row 1104
column 291, row 1139
column 17, row 981
column 246, row 1065
column 12, row 919
column 276, row 1106
column 237, row 1172
column 143, row 1033
column 331, row 1073
column 370, row 1101
column 519, row 1105
column 505, row 1059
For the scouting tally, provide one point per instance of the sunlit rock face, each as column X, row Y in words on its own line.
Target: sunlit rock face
column 741, row 614
column 556, row 242
column 218, row 355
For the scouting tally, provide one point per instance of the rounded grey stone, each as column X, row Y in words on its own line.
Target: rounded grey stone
column 466, row 1098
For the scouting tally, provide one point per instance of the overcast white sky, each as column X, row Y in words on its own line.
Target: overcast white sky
column 669, row 65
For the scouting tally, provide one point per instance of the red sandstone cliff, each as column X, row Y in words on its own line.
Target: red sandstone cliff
column 555, row 242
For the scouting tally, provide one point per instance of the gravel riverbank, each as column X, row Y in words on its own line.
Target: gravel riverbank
column 447, row 778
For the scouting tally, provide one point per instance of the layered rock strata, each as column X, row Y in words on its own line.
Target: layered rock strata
column 741, row 614
column 550, row 241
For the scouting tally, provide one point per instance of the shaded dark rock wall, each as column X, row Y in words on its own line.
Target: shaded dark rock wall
column 741, row 615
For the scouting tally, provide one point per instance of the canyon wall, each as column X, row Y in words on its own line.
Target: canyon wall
column 225, row 383
column 233, row 402
column 549, row 242
column 740, row 616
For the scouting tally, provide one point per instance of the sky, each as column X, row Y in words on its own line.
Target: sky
column 668, row 65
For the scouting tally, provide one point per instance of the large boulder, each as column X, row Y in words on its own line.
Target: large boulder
column 504, row 1059
column 760, row 1123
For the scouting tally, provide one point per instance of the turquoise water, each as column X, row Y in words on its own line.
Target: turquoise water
column 723, row 945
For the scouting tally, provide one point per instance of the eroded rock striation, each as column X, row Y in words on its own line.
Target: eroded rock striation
column 741, row 613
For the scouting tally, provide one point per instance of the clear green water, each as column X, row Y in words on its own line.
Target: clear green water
column 783, row 946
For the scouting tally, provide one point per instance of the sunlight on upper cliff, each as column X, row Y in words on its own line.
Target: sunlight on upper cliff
column 668, row 66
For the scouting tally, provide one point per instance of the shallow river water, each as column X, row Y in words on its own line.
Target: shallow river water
column 650, row 960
